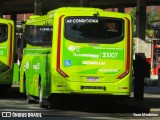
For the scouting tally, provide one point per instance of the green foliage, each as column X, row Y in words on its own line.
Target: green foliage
column 133, row 14
column 151, row 16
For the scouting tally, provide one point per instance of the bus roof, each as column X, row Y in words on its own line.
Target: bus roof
column 6, row 20
column 62, row 9
column 68, row 10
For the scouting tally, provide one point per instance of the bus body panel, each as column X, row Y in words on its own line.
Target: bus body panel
column 93, row 71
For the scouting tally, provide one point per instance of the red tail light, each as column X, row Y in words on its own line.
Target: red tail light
column 127, row 52
column 59, row 48
column 10, row 51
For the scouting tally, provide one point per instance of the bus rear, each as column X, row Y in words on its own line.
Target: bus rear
column 94, row 53
column 6, row 53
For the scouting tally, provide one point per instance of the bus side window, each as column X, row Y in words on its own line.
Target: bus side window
column 1, row 33
column 48, row 36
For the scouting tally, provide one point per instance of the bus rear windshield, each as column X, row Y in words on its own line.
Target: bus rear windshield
column 3, row 32
column 37, row 35
column 94, row 29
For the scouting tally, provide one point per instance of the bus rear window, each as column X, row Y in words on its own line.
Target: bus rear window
column 94, row 29
column 37, row 35
column 3, row 32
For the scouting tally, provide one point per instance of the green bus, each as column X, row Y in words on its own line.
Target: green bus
column 76, row 50
column 6, row 53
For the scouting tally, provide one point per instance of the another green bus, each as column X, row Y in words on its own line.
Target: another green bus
column 77, row 50
column 6, row 53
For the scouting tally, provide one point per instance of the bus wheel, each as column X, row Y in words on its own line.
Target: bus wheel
column 42, row 101
column 24, row 83
column 30, row 99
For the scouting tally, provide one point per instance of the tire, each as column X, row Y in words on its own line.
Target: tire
column 43, row 103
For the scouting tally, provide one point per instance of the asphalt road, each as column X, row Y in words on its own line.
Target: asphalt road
column 86, row 109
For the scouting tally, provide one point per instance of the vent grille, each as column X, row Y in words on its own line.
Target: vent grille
column 93, row 87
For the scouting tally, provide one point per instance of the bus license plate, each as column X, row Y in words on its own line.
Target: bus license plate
column 92, row 79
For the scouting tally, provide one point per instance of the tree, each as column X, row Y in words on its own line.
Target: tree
column 151, row 16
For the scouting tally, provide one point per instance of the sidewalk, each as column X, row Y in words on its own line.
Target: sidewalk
column 150, row 103
column 152, row 81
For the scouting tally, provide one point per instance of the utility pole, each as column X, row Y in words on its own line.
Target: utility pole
column 84, row 3
column 38, row 7
column 1, row 9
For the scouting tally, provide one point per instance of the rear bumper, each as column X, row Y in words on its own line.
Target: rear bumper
column 96, row 88
column 64, row 85
column 122, row 87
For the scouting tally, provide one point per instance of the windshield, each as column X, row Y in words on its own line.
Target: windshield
column 94, row 29
column 3, row 32
column 38, row 35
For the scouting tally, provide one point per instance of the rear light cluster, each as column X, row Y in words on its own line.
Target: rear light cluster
column 127, row 52
column 10, row 51
column 59, row 48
